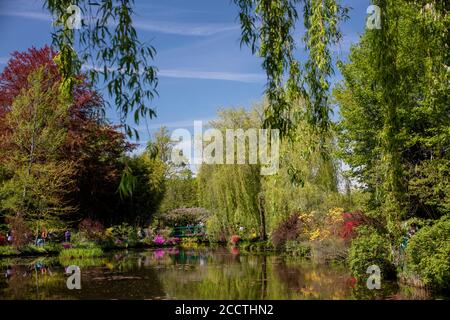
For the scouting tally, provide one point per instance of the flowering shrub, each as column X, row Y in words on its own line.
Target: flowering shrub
column 330, row 227
column 235, row 239
column 173, row 241
column 159, row 240
column 319, row 234
column 185, row 216
column 159, row 253
column 349, row 224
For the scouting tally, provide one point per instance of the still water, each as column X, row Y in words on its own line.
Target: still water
column 220, row 273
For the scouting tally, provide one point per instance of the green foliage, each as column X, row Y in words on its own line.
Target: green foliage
column 40, row 180
column 180, row 191
column 74, row 253
column 306, row 181
column 268, row 27
column 230, row 191
column 112, row 47
column 30, row 250
column 394, row 109
column 125, row 233
column 293, row 247
column 8, row 251
column 370, row 248
column 428, row 254
column 144, row 200
column 284, row 197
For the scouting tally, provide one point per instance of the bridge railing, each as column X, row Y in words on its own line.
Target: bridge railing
column 188, row 231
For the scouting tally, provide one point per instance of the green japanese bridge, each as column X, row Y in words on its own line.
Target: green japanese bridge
column 188, row 231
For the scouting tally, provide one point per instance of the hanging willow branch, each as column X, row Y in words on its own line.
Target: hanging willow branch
column 267, row 28
column 111, row 51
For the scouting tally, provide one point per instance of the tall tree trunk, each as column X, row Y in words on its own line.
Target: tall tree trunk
column 262, row 218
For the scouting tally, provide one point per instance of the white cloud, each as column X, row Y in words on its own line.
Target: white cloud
column 196, row 74
column 184, row 29
column 167, row 27
column 186, row 124
column 35, row 15
column 212, row 75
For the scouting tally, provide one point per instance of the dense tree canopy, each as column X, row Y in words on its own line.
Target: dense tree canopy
column 419, row 122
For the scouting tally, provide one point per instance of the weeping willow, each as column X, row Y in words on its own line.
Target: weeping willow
column 268, row 29
column 230, row 191
column 306, row 181
column 108, row 45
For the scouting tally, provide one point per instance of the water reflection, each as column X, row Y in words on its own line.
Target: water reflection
column 221, row 273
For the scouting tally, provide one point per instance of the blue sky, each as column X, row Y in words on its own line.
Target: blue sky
column 201, row 65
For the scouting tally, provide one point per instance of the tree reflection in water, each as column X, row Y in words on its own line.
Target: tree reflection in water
column 173, row 273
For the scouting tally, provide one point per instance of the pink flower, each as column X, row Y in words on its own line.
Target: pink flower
column 235, row 239
column 234, row 250
column 159, row 240
column 159, row 253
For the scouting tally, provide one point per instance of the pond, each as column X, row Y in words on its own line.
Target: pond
column 172, row 273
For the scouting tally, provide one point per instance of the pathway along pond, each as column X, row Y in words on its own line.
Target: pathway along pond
column 173, row 273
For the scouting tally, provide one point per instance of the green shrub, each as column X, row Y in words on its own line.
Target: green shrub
column 428, row 254
column 8, row 251
column 74, row 253
column 33, row 249
column 370, row 248
column 215, row 229
column 125, row 234
column 256, row 246
column 296, row 248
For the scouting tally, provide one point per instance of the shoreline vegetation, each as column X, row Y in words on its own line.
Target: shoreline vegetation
column 69, row 256
column 88, row 245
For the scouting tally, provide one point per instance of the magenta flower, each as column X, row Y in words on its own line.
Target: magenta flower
column 159, row 240
column 159, row 253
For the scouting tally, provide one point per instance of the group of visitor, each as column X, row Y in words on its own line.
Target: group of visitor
column 41, row 239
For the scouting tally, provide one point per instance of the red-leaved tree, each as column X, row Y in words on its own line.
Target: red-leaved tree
column 92, row 144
